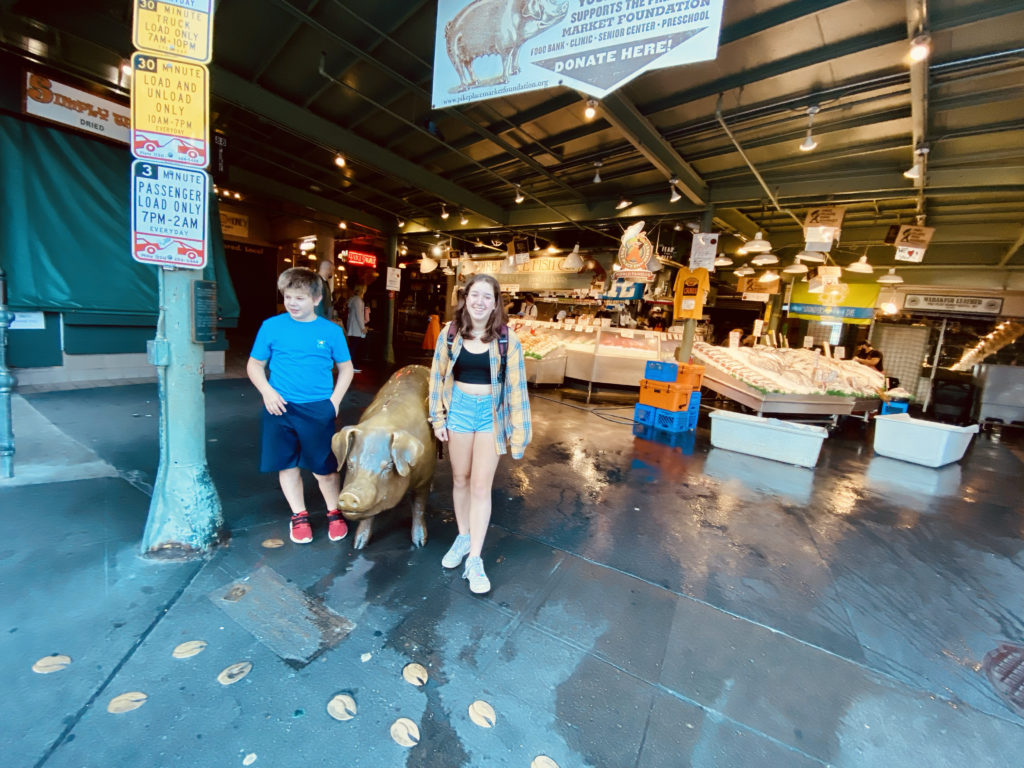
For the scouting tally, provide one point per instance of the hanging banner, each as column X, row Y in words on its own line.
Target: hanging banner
column 60, row 103
column 181, row 28
column 169, row 215
column 489, row 48
column 635, row 250
column 170, row 110
column 829, row 216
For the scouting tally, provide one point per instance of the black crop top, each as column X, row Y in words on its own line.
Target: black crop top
column 473, row 367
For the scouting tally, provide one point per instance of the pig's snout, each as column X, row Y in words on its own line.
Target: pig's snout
column 354, row 502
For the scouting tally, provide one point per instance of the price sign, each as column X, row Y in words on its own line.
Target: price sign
column 170, row 111
column 394, row 279
column 181, row 28
column 169, row 215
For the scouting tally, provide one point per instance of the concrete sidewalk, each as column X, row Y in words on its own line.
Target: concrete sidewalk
column 651, row 606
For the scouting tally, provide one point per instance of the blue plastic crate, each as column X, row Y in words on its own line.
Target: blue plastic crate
column 682, row 440
column 890, row 407
column 671, row 421
column 644, row 414
column 655, row 370
column 693, row 411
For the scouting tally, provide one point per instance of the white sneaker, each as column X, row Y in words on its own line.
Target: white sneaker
column 460, row 548
column 474, row 571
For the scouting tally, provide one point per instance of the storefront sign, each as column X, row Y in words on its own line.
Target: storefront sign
column 182, row 28
column 359, row 258
column 594, row 46
column 234, row 224
column 170, row 110
column 703, row 251
column 169, row 215
column 970, row 305
column 60, row 103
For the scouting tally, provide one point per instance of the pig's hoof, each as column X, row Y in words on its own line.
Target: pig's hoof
column 360, row 540
column 419, row 536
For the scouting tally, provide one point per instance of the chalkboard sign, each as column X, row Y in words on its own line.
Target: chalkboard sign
column 204, row 311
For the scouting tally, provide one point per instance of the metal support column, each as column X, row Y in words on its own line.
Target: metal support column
column 389, row 341
column 935, row 366
column 7, row 382
column 690, row 326
column 185, row 517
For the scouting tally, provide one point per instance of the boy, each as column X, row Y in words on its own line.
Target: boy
column 300, row 402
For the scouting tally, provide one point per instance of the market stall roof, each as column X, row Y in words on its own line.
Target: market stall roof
column 294, row 82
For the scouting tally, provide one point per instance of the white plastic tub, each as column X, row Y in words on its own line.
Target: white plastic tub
column 775, row 439
column 899, row 436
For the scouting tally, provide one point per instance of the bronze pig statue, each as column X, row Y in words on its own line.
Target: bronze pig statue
column 496, row 27
column 390, row 451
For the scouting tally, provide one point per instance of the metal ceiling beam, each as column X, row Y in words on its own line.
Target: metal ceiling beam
column 638, row 130
column 1012, row 250
column 917, row 24
column 293, row 118
column 272, row 187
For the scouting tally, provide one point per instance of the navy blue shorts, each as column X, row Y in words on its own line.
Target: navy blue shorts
column 300, row 437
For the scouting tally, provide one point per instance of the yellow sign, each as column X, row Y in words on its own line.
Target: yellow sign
column 170, row 110
column 181, row 28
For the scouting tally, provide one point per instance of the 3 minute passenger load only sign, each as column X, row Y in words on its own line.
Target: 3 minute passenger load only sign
column 169, row 215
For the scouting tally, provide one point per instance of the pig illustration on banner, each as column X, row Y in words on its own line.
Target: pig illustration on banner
column 389, row 452
column 496, row 27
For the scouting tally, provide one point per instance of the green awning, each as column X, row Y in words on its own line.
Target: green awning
column 65, row 228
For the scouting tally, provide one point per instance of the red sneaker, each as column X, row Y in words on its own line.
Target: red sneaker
column 301, row 531
column 337, row 529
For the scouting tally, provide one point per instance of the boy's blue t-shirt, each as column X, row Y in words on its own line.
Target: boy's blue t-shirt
column 301, row 356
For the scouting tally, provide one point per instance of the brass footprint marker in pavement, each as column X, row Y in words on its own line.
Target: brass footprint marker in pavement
column 126, row 702
column 415, row 674
column 55, row 662
column 249, row 759
column 272, row 543
column 342, row 707
column 234, row 673
column 543, row 761
column 188, row 649
column 405, row 732
column 482, row 713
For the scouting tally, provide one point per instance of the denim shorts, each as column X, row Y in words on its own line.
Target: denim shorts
column 470, row 413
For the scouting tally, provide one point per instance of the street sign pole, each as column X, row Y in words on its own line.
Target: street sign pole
column 185, row 516
column 170, row 140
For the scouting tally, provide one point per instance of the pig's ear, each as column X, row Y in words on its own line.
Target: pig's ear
column 405, row 452
column 341, row 443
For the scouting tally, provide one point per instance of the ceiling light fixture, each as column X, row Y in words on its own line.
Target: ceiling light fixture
column 678, row 227
column 591, row 109
column 796, row 268
column 463, row 219
column 597, row 171
column 401, row 223
column 675, row 197
column 757, row 245
column 342, row 225
column 890, row 277
column 809, row 143
column 861, row 266
column 339, row 161
column 768, row 277
column 723, row 261
column 623, row 204
column 573, row 262
column 552, row 248
column 763, row 259
column 427, row 265
column 519, row 194
column 816, row 257
column 743, row 272
column 917, row 169
column 444, row 212
column 920, row 47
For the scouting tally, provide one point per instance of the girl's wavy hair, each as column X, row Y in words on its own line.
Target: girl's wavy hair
column 497, row 319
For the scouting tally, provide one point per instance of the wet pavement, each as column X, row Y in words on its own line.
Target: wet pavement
column 651, row 605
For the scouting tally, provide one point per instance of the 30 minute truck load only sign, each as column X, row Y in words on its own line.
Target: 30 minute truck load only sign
column 169, row 215
column 182, row 28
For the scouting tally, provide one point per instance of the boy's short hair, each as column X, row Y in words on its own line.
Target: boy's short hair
column 301, row 279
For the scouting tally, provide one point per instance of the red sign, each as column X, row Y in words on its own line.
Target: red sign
column 360, row 259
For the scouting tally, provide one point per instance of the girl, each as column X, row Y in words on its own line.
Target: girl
column 478, row 404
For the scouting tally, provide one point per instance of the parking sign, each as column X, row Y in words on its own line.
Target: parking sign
column 170, row 111
column 169, row 215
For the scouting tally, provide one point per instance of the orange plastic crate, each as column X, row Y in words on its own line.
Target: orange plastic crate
column 691, row 376
column 670, row 396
